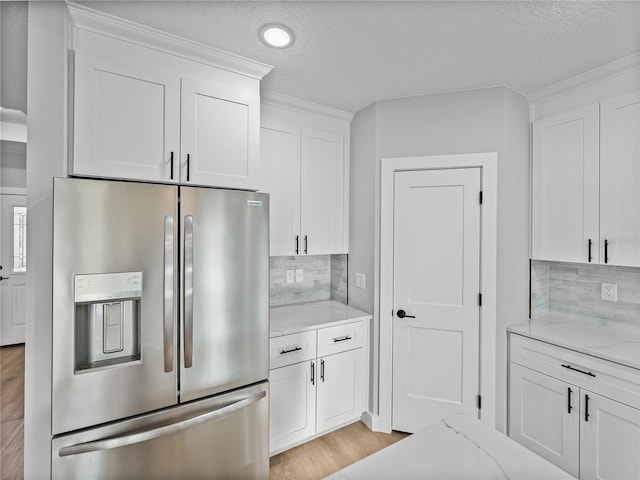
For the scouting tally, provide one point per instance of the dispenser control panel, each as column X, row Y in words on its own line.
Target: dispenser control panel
column 100, row 287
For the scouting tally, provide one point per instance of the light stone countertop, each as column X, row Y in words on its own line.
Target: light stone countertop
column 616, row 341
column 457, row 447
column 301, row 317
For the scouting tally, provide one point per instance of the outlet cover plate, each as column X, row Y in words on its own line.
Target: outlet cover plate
column 299, row 275
column 610, row 292
column 290, row 276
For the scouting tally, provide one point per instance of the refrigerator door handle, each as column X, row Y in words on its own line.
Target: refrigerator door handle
column 115, row 442
column 168, row 293
column 188, row 291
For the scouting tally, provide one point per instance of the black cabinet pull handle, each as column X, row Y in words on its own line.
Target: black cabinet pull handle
column 297, row 244
column 578, row 370
column 569, row 406
column 590, row 257
column 188, row 166
column 341, row 339
column 289, row 351
column 403, row 314
column 171, row 165
column 606, row 251
column 306, row 244
column 313, row 373
column 322, row 370
column 586, row 408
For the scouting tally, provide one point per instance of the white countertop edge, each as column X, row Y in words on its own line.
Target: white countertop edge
column 303, row 317
column 546, row 329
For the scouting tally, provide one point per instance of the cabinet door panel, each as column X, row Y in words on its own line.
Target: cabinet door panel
column 609, row 439
column 620, row 179
column 126, row 119
column 539, row 416
column 565, row 186
column 293, row 405
column 341, row 389
column 280, row 177
column 220, row 133
column 323, row 190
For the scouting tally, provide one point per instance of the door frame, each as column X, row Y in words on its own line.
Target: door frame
column 488, row 164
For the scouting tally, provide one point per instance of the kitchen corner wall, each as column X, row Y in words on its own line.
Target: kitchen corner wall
column 574, row 290
column 325, row 278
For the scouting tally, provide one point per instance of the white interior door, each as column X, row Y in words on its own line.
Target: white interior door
column 13, row 251
column 436, row 276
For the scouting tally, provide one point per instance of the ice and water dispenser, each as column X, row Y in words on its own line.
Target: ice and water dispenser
column 107, row 320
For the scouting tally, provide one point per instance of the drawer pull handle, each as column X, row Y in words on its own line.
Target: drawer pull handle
column 341, row 339
column 283, row 352
column 580, row 371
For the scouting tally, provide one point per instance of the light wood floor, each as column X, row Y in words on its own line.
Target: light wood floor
column 313, row 460
column 328, row 454
column 11, row 412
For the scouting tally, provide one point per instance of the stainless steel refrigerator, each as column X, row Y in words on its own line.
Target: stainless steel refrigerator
column 160, row 331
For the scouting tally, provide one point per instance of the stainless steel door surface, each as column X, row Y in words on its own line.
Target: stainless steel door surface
column 113, row 227
column 224, row 437
column 225, row 290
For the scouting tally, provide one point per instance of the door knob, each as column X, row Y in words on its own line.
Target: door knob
column 403, row 314
column 4, row 278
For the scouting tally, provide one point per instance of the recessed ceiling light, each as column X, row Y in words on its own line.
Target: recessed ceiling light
column 276, row 36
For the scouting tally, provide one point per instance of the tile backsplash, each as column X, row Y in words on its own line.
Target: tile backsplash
column 325, row 278
column 574, row 290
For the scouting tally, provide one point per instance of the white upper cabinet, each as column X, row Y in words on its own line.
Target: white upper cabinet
column 220, row 136
column 304, row 168
column 620, row 180
column 323, row 191
column 565, row 186
column 280, row 166
column 126, row 118
column 586, row 184
column 155, row 107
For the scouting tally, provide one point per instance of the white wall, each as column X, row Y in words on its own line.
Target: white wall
column 362, row 222
column 46, row 158
column 462, row 122
column 13, row 164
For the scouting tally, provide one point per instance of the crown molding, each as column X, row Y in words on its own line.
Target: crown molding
column 86, row 18
column 304, row 106
column 605, row 72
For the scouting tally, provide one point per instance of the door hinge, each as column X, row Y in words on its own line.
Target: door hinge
column 480, row 197
column 479, row 401
column 480, row 299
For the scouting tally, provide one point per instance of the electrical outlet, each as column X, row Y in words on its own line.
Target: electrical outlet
column 361, row 281
column 610, row 292
column 290, row 277
column 299, row 275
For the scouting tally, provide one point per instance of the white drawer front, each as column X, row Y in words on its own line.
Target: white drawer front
column 341, row 338
column 609, row 379
column 290, row 349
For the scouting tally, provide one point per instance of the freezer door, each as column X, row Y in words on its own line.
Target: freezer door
column 114, row 301
column 224, row 437
column 225, row 290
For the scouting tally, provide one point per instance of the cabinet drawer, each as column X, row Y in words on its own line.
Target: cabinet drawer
column 290, row 349
column 341, row 338
column 607, row 378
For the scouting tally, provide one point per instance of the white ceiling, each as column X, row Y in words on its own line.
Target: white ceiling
column 350, row 53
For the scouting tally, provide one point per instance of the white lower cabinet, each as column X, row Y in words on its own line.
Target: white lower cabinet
column 554, row 410
column 316, row 396
column 293, row 404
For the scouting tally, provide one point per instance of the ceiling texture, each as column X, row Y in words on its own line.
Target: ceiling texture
column 348, row 54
